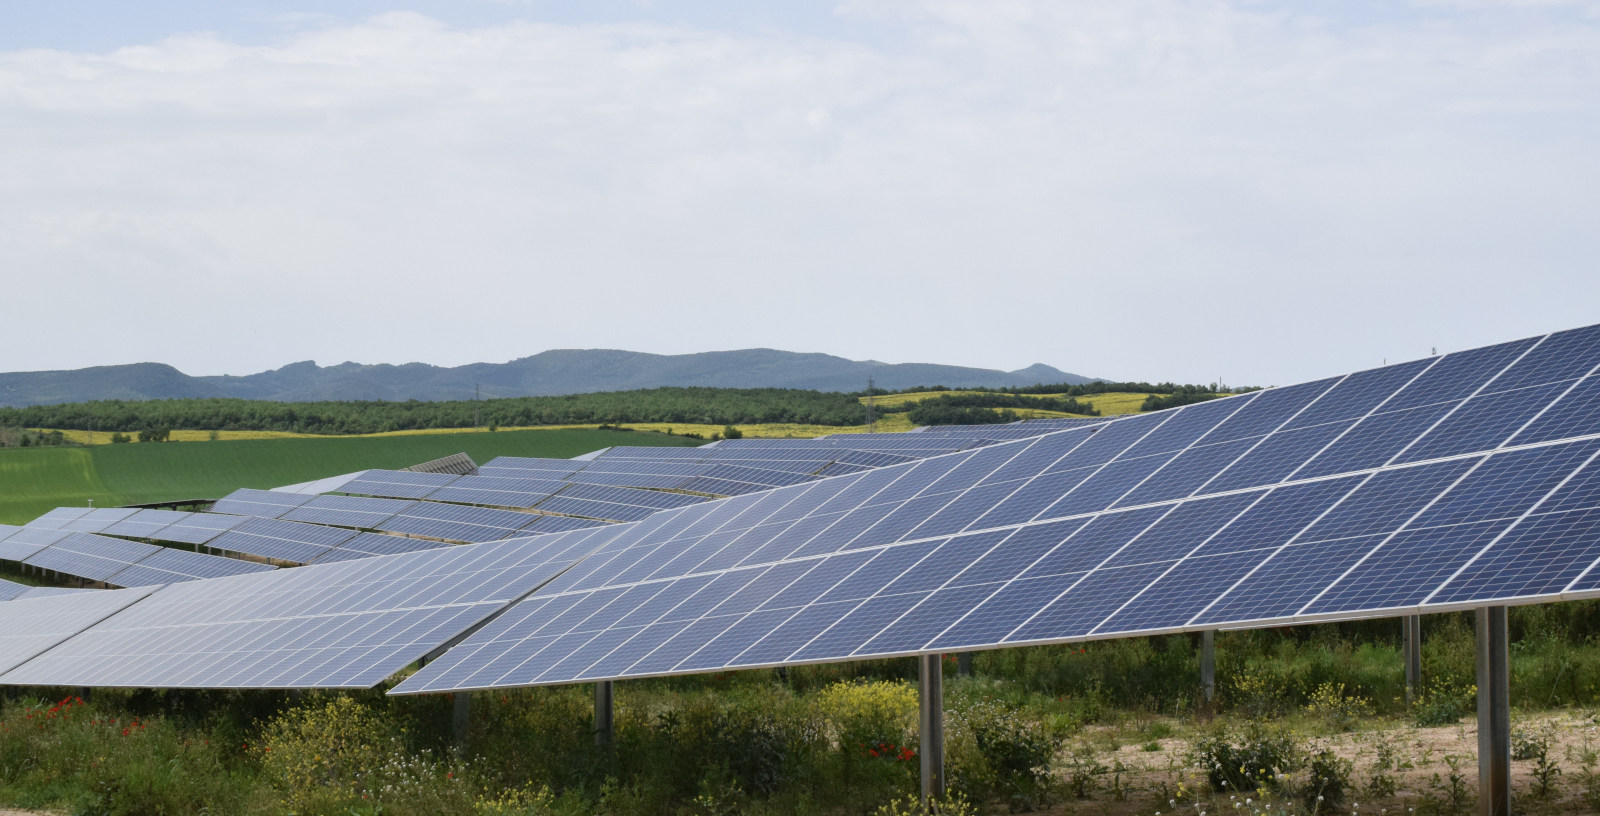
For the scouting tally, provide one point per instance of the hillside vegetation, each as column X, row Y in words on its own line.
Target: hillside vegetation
column 563, row 371
column 35, row 480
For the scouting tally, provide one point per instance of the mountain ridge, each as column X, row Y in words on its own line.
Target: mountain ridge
column 549, row 373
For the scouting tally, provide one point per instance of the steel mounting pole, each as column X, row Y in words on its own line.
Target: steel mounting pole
column 1208, row 667
column 604, row 714
column 1494, row 713
column 1411, row 647
column 930, row 721
column 461, row 716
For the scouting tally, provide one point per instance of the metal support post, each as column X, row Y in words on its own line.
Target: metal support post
column 930, row 719
column 1208, row 666
column 964, row 664
column 604, row 714
column 1411, row 627
column 461, row 717
column 1494, row 713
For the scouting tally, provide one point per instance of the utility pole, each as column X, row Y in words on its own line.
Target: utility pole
column 871, row 420
column 477, row 409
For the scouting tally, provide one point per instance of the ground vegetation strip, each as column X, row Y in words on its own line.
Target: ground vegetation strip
column 35, row 480
column 1312, row 720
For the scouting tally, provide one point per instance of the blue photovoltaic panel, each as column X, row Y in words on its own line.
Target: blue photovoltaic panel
column 344, row 625
column 98, row 519
column 263, row 503
column 527, row 466
column 398, row 484
column 30, row 625
column 1314, row 546
column 89, row 556
column 57, row 517
column 499, row 491
column 283, row 540
column 364, row 545
column 145, row 523
column 27, row 541
column 199, row 528
column 457, row 522
column 348, row 511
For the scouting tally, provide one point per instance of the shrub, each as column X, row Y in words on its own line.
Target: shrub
column 999, row 751
column 1246, row 760
column 1325, row 784
column 860, row 715
column 1341, row 712
column 1442, row 702
column 324, row 756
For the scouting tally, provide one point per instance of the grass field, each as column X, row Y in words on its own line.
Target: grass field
column 34, row 480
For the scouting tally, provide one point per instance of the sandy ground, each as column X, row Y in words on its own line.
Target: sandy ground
column 1422, row 781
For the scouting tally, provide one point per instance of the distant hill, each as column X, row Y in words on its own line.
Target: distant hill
column 550, row 373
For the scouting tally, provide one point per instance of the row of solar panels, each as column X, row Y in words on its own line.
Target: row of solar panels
column 1441, row 483
column 728, row 468
column 11, row 590
column 309, row 528
column 114, row 561
column 1438, row 484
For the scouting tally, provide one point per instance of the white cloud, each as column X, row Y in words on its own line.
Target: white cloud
column 1154, row 189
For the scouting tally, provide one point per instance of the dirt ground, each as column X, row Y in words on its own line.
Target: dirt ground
column 1152, row 778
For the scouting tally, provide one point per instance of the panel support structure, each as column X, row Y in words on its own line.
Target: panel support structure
column 1411, row 647
column 604, row 714
column 461, row 716
column 1494, row 713
column 930, row 721
column 1208, row 667
column 964, row 664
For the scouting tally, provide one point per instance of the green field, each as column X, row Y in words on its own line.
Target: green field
column 34, row 480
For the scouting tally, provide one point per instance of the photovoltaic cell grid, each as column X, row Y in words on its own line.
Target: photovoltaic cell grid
column 340, row 625
column 1426, row 485
column 263, row 503
column 29, row 626
column 11, row 590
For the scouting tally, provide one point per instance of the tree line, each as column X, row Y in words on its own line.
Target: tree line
column 153, row 420
column 712, row 406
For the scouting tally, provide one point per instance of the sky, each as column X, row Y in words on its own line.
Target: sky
column 1250, row 192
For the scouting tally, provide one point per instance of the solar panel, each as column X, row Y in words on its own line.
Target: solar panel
column 198, row 528
column 399, row 484
column 499, row 491
column 283, row 540
column 29, row 626
column 457, row 522
column 263, row 503
column 366, row 545
column 1109, row 530
column 523, row 465
column 27, row 541
column 613, row 503
column 348, row 511
column 89, row 556
column 97, row 519
column 340, row 625
column 166, row 565
column 145, row 523
column 57, row 517
column 11, row 589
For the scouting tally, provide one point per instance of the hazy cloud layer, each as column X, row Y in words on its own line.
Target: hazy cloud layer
column 1155, row 189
